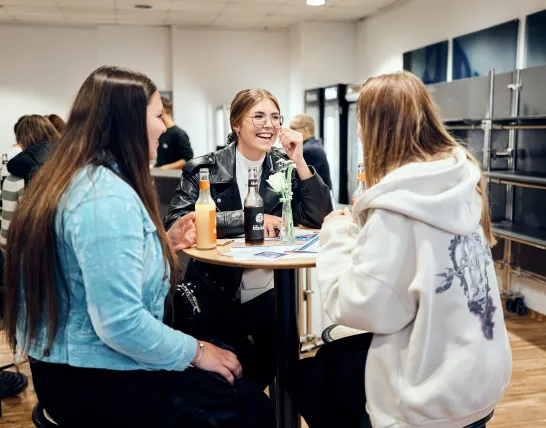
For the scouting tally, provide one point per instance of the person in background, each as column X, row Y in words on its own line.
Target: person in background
column 35, row 134
column 238, row 305
column 16, row 148
column 174, row 145
column 412, row 266
column 313, row 151
column 57, row 122
column 11, row 383
column 88, row 267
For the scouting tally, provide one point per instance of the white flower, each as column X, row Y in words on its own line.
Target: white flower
column 277, row 182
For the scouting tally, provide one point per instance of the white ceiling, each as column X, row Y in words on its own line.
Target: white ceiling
column 245, row 14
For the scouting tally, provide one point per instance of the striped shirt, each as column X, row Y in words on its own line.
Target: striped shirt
column 12, row 190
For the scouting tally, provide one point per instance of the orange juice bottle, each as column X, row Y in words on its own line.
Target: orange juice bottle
column 361, row 180
column 205, row 214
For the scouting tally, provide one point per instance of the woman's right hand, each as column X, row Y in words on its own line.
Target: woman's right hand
column 182, row 234
column 218, row 360
column 337, row 213
column 271, row 222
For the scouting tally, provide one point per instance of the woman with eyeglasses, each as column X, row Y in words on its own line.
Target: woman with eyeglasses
column 238, row 304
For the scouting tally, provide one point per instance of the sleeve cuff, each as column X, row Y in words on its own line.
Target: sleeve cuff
column 189, row 349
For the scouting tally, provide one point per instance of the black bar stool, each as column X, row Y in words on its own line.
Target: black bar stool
column 41, row 419
column 481, row 423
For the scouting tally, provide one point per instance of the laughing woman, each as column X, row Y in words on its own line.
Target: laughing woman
column 241, row 301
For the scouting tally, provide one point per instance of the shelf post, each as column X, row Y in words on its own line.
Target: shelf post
column 507, row 267
column 301, row 299
column 309, row 302
column 512, row 145
column 487, row 124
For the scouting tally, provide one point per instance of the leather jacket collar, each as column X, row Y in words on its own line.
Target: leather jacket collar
column 223, row 163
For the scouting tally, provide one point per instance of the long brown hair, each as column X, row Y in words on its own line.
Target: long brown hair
column 106, row 127
column 57, row 122
column 35, row 129
column 243, row 103
column 401, row 124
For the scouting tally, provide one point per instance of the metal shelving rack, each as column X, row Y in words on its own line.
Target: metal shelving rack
column 508, row 230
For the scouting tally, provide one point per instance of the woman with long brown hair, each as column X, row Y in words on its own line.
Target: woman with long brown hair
column 35, row 134
column 411, row 265
column 239, row 304
column 88, row 267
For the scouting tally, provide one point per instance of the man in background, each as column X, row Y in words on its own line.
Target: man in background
column 313, row 152
column 174, row 145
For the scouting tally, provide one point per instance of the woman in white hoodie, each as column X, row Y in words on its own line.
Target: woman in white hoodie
column 412, row 264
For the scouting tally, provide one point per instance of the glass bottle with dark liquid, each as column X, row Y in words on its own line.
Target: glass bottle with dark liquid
column 253, row 210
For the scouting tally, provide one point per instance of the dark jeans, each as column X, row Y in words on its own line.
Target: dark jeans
column 82, row 397
column 328, row 389
column 259, row 360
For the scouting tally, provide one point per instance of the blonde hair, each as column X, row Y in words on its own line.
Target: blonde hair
column 303, row 121
column 243, row 103
column 401, row 124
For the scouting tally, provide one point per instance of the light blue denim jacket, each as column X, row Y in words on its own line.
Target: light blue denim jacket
column 111, row 259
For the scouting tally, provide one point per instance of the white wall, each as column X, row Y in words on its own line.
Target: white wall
column 40, row 72
column 321, row 54
column 145, row 49
column 383, row 39
column 211, row 66
column 204, row 68
column 295, row 73
column 327, row 53
column 43, row 67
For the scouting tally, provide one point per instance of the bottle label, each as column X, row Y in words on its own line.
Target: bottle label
column 204, row 185
column 212, row 223
column 252, row 182
column 361, row 177
column 254, row 224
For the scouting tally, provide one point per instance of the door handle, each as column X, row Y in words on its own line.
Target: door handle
column 508, row 153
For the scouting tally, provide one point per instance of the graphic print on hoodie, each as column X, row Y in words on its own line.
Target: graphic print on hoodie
column 470, row 256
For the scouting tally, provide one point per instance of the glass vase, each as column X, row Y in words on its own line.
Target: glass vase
column 288, row 233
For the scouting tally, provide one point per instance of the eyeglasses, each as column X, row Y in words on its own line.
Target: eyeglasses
column 260, row 120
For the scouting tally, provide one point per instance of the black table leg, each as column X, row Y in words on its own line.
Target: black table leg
column 288, row 342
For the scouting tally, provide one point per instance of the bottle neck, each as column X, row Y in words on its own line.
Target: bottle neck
column 361, row 179
column 204, row 189
column 204, row 193
column 252, row 186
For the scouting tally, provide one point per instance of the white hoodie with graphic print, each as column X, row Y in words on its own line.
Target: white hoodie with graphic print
column 419, row 275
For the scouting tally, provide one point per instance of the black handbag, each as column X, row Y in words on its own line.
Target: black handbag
column 200, row 311
column 183, row 310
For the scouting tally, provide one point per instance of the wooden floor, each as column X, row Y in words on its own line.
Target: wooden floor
column 524, row 404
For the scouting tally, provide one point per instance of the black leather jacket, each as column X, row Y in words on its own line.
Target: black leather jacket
column 310, row 204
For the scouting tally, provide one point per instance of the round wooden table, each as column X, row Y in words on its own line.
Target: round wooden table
column 286, row 303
